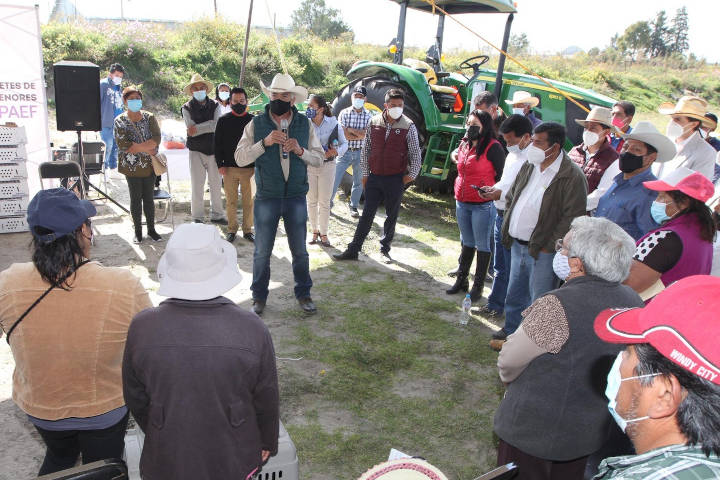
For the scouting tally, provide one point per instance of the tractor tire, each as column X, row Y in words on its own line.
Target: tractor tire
column 376, row 88
column 433, row 185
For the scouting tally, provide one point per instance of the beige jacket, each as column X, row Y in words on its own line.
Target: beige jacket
column 68, row 350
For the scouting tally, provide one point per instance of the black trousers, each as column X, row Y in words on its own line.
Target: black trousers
column 379, row 188
column 535, row 468
column 141, row 200
column 64, row 447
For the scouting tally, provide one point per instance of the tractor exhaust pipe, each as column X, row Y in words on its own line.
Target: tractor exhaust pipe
column 501, row 62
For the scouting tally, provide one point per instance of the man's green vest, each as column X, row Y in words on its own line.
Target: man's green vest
column 269, row 176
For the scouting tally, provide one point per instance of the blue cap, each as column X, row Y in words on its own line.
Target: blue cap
column 58, row 210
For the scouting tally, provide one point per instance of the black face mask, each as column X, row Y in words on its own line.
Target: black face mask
column 629, row 162
column 238, row 108
column 279, row 107
column 473, row 132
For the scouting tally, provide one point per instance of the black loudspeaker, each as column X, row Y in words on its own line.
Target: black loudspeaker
column 77, row 96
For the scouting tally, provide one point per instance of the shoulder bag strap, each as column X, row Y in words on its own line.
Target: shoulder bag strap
column 59, row 282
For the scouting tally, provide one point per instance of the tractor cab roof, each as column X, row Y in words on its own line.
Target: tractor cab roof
column 464, row 6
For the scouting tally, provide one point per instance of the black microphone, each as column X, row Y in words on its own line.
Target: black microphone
column 284, row 128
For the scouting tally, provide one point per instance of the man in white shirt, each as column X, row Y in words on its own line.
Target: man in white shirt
column 517, row 132
column 693, row 152
column 548, row 193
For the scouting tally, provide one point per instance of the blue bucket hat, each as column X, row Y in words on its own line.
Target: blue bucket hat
column 58, row 210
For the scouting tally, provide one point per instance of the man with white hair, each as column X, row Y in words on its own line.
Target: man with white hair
column 553, row 414
column 282, row 143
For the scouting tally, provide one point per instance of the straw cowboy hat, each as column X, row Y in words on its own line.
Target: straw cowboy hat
column 197, row 264
column 197, row 78
column 282, row 83
column 521, row 97
column 687, row 106
column 404, row 469
column 601, row 115
column 647, row 133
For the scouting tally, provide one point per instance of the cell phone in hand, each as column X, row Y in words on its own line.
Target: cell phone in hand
column 484, row 189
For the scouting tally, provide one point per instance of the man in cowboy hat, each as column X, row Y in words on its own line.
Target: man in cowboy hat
column 594, row 154
column 687, row 118
column 522, row 104
column 200, row 114
column 627, row 202
column 282, row 143
column 199, row 372
column 664, row 389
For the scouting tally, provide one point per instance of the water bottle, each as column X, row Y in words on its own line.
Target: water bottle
column 465, row 314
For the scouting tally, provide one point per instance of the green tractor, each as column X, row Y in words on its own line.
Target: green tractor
column 439, row 101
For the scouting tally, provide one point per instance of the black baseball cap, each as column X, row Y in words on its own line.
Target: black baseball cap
column 58, row 210
column 361, row 90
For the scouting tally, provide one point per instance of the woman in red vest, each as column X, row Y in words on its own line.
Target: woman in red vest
column 480, row 160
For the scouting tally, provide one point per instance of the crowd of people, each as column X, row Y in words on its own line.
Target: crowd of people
column 608, row 244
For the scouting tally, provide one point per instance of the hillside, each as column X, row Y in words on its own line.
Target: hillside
column 163, row 59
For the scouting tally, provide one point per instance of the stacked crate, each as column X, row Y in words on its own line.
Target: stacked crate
column 14, row 192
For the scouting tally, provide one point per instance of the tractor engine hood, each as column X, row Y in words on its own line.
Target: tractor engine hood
column 464, row 6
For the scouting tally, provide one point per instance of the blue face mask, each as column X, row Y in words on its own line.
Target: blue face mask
column 134, row 105
column 614, row 380
column 310, row 113
column 658, row 212
column 200, row 95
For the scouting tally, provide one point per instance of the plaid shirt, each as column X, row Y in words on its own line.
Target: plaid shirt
column 349, row 118
column 413, row 144
column 676, row 462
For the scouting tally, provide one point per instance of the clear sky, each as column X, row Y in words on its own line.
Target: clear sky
column 551, row 25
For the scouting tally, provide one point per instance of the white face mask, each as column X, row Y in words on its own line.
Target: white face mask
column 614, row 380
column 561, row 266
column 536, row 155
column 117, row 80
column 513, row 148
column 395, row 112
column 518, row 111
column 674, row 130
column 224, row 95
column 590, row 138
column 358, row 103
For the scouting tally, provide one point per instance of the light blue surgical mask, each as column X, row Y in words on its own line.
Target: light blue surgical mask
column 224, row 95
column 358, row 103
column 310, row 113
column 135, row 104
column 200, row 95
column 658, row 212
column 614, row 380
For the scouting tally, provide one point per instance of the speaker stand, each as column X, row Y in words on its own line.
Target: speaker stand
column 84, row 180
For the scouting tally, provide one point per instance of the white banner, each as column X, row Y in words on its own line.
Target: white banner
column 22, row 83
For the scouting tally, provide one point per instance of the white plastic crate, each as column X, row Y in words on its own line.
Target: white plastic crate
column 12, row 135
column 283, row 466
column 13, row 206
column 13, row 171
column 16, row 154
column 14, row 189
column 13, row 224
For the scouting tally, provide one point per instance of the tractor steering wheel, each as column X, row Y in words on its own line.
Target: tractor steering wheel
column 466, row 63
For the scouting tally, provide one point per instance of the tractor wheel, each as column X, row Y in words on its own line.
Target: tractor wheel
column 376, row 88
column 434, row 185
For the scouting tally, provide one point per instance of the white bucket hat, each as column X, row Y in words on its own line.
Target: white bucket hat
column 404, row 469
column 647, row 133
column 521, row 97
column 197, row 264
column 282, row 83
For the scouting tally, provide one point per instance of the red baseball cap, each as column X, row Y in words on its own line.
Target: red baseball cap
column 692, row 184
column 681, row 322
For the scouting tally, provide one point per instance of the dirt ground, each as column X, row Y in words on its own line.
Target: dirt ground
column 22, row 449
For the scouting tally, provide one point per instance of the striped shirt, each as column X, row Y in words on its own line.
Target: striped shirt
column 413, row 144
column 350, row 118
column 676, row 462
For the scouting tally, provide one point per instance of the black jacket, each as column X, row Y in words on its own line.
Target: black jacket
column 228, row 132
column 200, row 379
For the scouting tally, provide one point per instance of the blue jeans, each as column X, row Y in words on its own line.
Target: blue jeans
column 501, row 267
column 529, row 278
column 474, row 221
column 267, row 213
column 351, row 157
column 111, row 151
